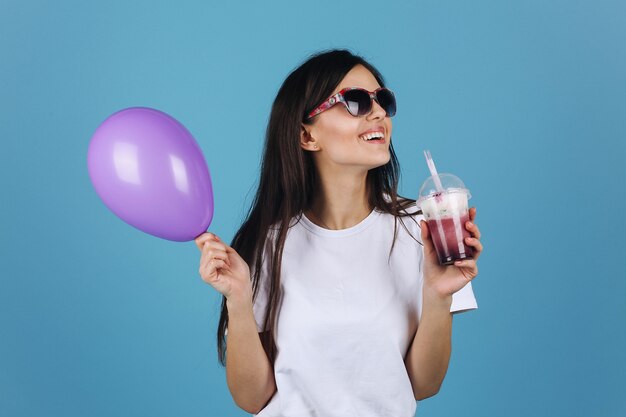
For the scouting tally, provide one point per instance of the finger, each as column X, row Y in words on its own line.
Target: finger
column 217, row 263
column 429, row 247
column 222, row 253
column 209, row 253
column 199, row 241
column 424, row 230
column 473, row 229
column 476, row 244
column 213, row 245
column 472, row 213
column 230, row 250
column 210, row 260
column 205, row 237
column 210, row 272
column 469, row 265
column 205, row 259
column 219, row 255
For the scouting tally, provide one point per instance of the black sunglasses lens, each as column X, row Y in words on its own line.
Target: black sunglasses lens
column 387, row 101
column 358, row 102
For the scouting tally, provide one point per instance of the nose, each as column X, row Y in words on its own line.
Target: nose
column 377, row 112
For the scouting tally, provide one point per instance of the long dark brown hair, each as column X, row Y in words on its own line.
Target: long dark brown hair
column 287, row 181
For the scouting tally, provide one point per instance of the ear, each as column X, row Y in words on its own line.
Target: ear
column 307, row 142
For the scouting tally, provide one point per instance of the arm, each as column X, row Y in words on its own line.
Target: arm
column 429, row 355
column 249, row 374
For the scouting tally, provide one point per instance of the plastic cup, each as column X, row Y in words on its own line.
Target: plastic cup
column 446, row 211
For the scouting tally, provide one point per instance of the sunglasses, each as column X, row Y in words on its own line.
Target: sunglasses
column 358, row 101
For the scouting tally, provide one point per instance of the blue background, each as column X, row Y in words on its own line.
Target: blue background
column 524, row 100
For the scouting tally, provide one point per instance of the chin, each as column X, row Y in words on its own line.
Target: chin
column 380, row 162
column 386, row 159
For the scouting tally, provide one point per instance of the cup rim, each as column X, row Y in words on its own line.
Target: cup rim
column 446, row 191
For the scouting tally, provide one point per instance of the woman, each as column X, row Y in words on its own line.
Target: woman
column 342, row 312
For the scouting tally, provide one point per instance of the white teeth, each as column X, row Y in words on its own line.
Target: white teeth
column 372, row 135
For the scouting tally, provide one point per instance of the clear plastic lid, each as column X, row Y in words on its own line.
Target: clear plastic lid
column 450, row 183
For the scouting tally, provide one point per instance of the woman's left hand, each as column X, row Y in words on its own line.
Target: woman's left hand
column 444, row 281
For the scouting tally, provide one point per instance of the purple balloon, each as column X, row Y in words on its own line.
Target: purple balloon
column 148, row 169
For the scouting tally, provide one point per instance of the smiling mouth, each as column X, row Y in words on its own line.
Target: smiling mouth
column 373, row 137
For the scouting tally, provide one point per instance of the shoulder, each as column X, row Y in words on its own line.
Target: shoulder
column 274, row 229
column 407, row 220
column 408, row 210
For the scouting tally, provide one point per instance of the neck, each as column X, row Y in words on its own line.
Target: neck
column 341, row 202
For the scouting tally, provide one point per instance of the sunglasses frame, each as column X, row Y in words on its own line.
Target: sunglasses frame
column 339, row 98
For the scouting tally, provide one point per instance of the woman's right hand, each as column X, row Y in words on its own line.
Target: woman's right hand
column 223, row 268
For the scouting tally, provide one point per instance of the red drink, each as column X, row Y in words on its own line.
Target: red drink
column 446, row 211
column 448, row 234
column 443, row 201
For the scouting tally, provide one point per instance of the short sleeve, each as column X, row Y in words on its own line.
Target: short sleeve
column 463, row 300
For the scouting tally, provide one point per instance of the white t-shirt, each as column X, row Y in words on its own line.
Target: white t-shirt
column 347, row 318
